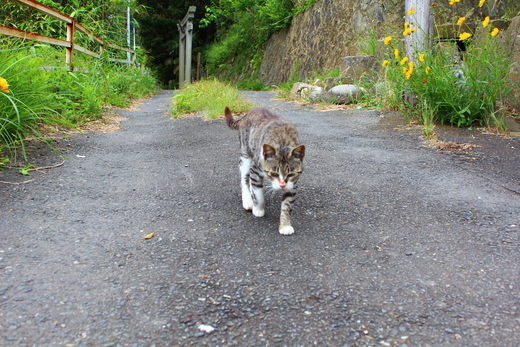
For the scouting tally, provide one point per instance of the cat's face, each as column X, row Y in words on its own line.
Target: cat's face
column 283, row 166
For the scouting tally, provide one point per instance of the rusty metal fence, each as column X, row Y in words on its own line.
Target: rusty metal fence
column 72, row 27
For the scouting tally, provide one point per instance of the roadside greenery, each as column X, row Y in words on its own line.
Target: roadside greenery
column 441, row 87
column 35, row 91
column 208, row 98
column 106, row 19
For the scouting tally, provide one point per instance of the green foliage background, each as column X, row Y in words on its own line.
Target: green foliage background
column 243, row 27
column 159, row 36
column 42, row 90
column 106, row 19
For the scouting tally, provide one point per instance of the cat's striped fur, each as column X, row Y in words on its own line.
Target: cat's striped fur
column 269, row 151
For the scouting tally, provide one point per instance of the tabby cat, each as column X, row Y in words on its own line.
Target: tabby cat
column 269, row 150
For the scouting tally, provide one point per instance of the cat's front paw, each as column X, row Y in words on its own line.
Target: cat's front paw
column 258, row 212
column 247, row 205
column 247, row 201
column 286, row 230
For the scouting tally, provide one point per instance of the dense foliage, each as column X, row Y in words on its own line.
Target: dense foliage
column 159, row 34
column 243, row 27
column 224, row 31
column 36, row 88
column 106, row 19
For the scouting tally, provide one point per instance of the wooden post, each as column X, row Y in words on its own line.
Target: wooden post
column 422, row 20
column 70, row 49
column 185, row 45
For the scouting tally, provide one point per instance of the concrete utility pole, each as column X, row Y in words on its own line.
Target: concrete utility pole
column 422, row 20
column 185, row 39
column 128, row 32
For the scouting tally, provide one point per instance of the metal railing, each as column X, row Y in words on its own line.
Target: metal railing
column 72, row 26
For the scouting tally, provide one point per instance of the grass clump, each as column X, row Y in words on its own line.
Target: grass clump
column 36, row 90
column 208, row 97
column 25, row 100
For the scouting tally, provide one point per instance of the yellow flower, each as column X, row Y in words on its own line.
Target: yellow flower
column 385, row 63
column 407, row 29
column 387, row 40
column 486, row 21
column 407, row 73
column 411, row 66
column 454, row 2
column 421, row 57
column 396, row 53
column 495, row 32
column 4, row 86
column 411, row 11
column 461, row 20
column 481, row 3
column 404, row 60
column 464, row 36
column 428, row 70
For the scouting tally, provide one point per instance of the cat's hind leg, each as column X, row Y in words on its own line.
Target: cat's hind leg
column 245, row 167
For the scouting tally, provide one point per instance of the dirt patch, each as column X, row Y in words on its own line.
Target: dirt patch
column 450, row 145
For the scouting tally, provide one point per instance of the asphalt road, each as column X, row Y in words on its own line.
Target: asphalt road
column 395, row 244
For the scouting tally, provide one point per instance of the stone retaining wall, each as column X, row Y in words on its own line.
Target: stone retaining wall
column 319, row 38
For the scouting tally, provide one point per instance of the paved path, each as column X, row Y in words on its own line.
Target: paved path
column 395, row 243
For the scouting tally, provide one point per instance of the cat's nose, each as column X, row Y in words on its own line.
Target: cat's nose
column 282, row 184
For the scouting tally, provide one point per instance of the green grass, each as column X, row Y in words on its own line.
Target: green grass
column 27, row 102
column 40, row 94
column 209, row 98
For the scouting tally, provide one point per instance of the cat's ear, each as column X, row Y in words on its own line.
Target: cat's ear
column 268, row 151
column 298, row 152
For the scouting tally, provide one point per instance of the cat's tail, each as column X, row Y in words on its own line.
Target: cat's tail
column 232, row 123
